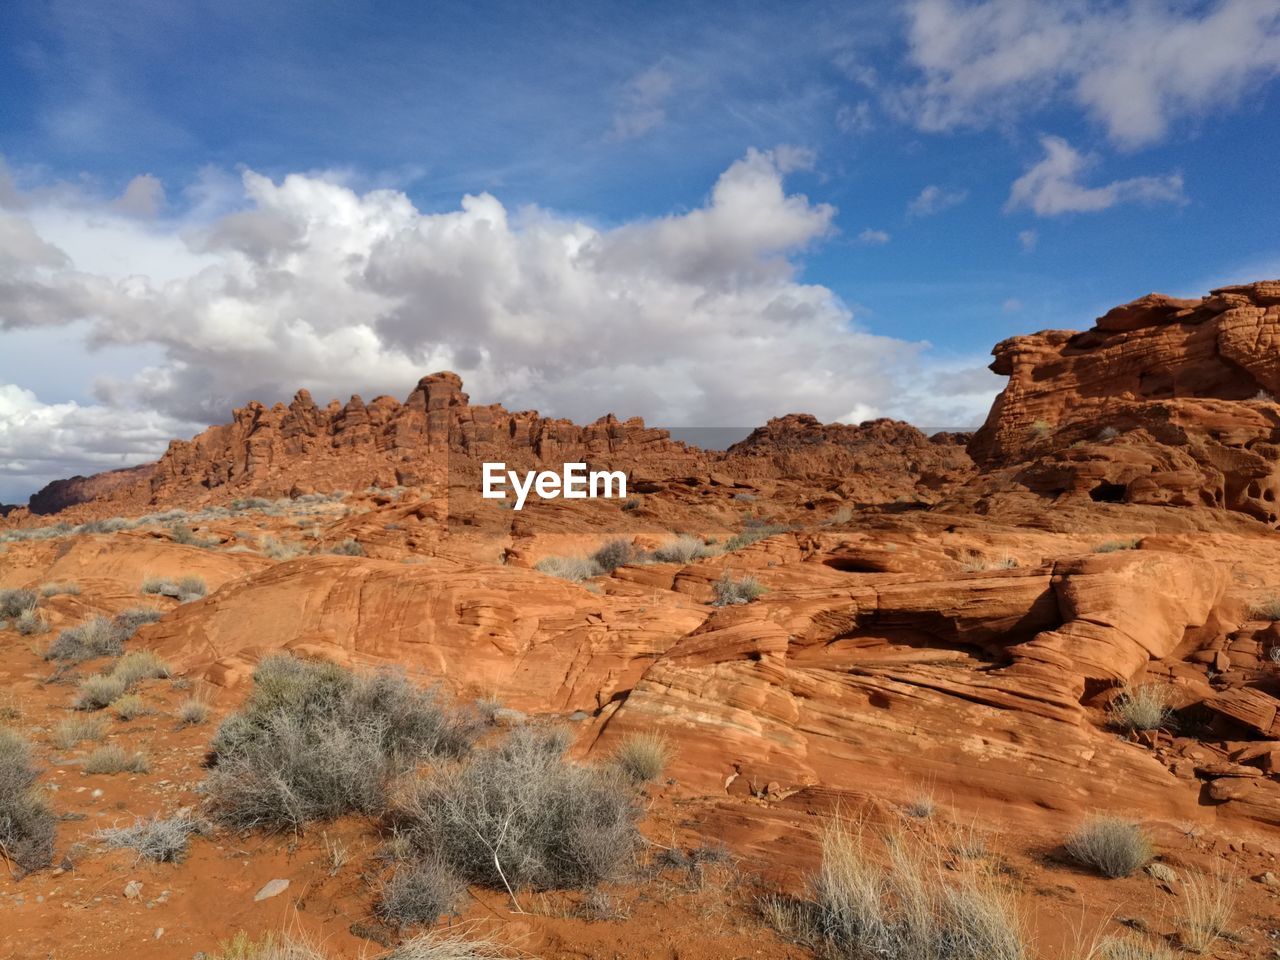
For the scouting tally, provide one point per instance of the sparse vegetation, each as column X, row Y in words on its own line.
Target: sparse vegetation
column 730, row 591
column 1208, row 902
column 518, row 814
column 575, row 569
column 278, row 550
column 420, row 892
column 193, row 712
column 347, row 548
column 129, row 707
column 180, row 533
column 433, row 945
column 140, row 665
column 614, row 554
column 1268, row 609
column 643, row 756
column 62, row 587
column 922, row 807
column 1041, row 429
column 1116, row 847
column 128, row 621
column 98, row 692
column 908, row 908
column 1147, row 707
column 16, row 602
column 96, row 637
column 314, row 741
column 27, row 825
column 684, row 549
column 113, row 758
column 753, row 532
column 1130, row 948
column 1113, row 546
column 447, row 945
column 163, row 839
column 184, row 589
column 70, row 733
column 30, row 623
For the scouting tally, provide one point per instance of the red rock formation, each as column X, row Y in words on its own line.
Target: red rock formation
column 438, row 439
column 61, row 494
column 887, row 458
column 1163, row 402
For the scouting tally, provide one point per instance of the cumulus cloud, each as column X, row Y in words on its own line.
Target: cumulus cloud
column 697, row 318
column 142, row 197
column 1028, row 240
column 1135, row 67
column 1052, row 186
column 40, row 442
column 873, row 238
column 934, row 199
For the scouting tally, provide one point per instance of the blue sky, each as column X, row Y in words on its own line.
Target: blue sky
column 929, row 178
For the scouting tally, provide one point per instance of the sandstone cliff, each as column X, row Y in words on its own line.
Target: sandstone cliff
column 1162, row 402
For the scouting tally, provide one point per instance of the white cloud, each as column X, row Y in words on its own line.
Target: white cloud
column 143, row 197
column 1028, row 240
column 934, row 199
column 1052, row 186
column 642, row 105
column 854, row 118
column 40, row 442
column 873, row 238
column 1134, row 66
column 697, row 318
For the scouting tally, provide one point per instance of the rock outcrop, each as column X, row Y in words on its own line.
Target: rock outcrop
column 61, row 494
column 1162, row 402
column 437, row 439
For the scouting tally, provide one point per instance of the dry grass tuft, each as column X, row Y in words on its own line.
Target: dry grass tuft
column 729, row 592
column 643, row 756
column 70, row 733
column 138, row 666
column 115, row 759
column 96, row 637
column 98, row 692
column 62, row 587
column 1141, row 708
column 130, row 707
column 574, row 569
column 910, row 906
column 16, row 602
column 1208, row 902
column 1115, row 846
column 193, row 711
column 163, row 839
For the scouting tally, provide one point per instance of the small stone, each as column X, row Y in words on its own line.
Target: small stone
column 1162, row 873
column 1269, row 879
column 578, row 716
column 96, row 793
column 132, row 890
column 159, row 932
column 273, row 889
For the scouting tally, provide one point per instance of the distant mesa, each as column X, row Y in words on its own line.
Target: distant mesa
column 1163, row 402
